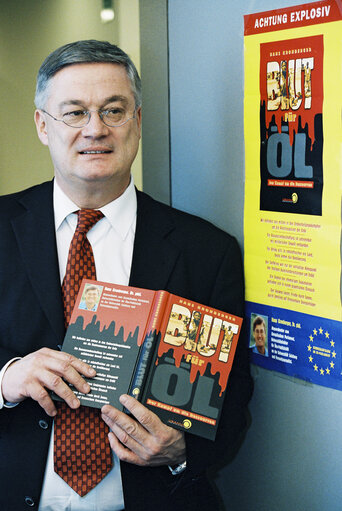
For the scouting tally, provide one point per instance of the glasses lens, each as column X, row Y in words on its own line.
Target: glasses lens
column 76, row 119
column 114, row 117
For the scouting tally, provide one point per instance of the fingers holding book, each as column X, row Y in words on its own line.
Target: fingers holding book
column 34, row 375
column 141, row 438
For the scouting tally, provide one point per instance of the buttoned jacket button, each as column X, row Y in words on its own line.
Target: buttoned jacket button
column 43, row 424
column 29, row 501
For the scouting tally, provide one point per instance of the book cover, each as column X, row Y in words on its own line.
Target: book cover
column 291, row 127
column 172, row 354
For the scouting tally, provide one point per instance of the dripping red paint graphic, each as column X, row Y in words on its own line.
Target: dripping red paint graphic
column 291, row 83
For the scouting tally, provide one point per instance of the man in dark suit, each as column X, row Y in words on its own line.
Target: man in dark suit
column 88, row 113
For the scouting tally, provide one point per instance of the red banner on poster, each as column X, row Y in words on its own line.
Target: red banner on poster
column 292, row 17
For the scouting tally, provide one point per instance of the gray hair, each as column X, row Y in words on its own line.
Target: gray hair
column 81, row 52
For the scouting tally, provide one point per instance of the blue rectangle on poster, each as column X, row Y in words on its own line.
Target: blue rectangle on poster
column 296, row 344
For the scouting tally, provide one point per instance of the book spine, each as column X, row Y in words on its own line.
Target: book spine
column 150, row 342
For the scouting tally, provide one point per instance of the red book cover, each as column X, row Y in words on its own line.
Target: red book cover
column 173, row 354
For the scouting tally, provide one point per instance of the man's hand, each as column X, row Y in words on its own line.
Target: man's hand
column 144, row 440
column 45, row 369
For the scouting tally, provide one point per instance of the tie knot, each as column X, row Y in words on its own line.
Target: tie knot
column 87, row 218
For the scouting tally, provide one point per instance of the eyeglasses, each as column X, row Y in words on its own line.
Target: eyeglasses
column 114, row 117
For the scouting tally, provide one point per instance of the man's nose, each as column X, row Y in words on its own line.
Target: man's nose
column 95, row 127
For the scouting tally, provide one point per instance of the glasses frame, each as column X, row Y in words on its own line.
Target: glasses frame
column 89, row 112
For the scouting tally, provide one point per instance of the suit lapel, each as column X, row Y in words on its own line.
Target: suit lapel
column 35, row 234
column 154, row 255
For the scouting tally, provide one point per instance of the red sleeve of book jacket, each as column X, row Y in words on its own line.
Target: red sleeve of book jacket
column 227, row 295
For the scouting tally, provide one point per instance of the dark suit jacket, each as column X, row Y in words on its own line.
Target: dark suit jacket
column 173, row 251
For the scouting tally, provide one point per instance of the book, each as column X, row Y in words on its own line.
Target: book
column 172, row 354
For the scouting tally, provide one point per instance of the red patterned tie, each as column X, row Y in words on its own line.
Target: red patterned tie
column 82, row 454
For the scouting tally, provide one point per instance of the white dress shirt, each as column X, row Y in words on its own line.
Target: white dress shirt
column 112, row 241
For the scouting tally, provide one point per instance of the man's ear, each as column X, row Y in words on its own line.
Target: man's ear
column 39, row 119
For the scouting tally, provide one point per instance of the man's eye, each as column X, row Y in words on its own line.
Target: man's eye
column 114, row 113
column 75, row 113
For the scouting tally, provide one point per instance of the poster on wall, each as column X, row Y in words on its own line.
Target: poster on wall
column 292, row 217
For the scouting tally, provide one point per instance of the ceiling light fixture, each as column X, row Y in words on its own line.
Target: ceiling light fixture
column 107, row 11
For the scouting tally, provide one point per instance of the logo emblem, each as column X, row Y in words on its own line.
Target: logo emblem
column 187, row 423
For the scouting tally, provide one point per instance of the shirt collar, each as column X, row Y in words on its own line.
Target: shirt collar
column 121, row 212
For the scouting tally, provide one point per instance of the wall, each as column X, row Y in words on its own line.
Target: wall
column 155, row 87
column 127, row 18
column 291, row 458
column 29, row 30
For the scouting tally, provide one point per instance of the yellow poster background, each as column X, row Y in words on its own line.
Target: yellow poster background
column 293, row 261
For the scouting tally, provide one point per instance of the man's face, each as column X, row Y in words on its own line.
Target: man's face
column 91, row 298
column 96, row 155
column 259, row 335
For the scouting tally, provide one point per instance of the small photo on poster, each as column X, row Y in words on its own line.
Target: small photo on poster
column 258, row 335
column 90, row 297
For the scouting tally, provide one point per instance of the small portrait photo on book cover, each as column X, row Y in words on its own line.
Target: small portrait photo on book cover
column 90, row 297
column 258, row 335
